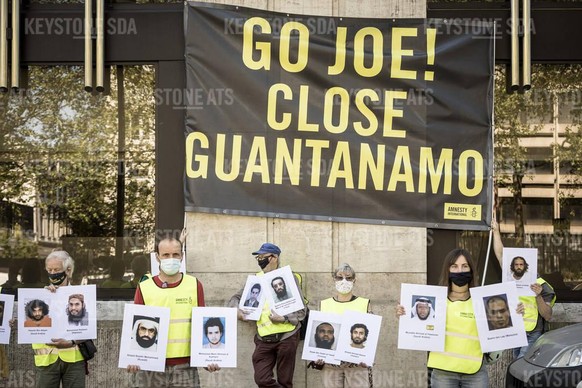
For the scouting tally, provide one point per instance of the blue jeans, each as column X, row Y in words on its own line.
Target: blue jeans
column 443, row 379
column 532, row 337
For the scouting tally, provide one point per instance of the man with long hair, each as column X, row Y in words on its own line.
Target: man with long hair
column 37, row 314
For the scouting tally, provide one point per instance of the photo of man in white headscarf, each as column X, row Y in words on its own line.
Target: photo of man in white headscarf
column 423, row 325
column 144, row 333
column 423, row 309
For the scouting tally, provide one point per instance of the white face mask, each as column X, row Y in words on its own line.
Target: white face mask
column 170, row 266
column 344, row 286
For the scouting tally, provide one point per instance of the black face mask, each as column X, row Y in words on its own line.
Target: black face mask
column 460, row 278
column 57, row 279
column 263, row 262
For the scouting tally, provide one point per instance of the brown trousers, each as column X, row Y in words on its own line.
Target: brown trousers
column 278, row 354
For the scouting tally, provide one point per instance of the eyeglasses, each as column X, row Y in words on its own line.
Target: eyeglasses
column 340, row 278
column 264, row 257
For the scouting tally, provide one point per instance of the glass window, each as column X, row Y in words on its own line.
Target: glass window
column 74, row 175
column 528, row 149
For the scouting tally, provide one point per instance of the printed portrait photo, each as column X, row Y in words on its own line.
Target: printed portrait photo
column 37, row 314
column 422, row 327
column 497, row 311
column 144, row 333
column 423, row 308
column 359, row 335
column 324, row 335
column 77, row 313
column 518, row 268
column 253, row 297
column 213, row 333
column 280, row 290
column 6, row 307
column 520, row 265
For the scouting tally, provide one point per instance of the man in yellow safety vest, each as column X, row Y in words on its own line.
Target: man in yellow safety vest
column 538, row 308
column 180, row 292
column 277, row 336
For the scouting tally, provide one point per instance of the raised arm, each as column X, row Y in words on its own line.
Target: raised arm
column 497, row 243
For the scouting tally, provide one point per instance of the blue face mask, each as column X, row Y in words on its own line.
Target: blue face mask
column 460, row 278
column 170, row 266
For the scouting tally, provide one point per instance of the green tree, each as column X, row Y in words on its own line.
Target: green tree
column 520, row 115
column 512, row 123
column 59, row 152
column 15, row 245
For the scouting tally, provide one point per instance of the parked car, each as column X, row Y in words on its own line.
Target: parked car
column 554, row 360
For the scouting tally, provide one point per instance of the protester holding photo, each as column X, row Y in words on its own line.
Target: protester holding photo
column 59, row 361
column 180, row 292
column 277, row 336
column 461, row 364
column 538, row 308
column 346, row 374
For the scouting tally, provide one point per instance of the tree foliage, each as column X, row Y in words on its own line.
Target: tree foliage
column 15, row 245
column 522, row 115
column 59, row 150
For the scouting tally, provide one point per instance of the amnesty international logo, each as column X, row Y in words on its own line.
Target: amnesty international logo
column 184, row 300
column 461, row 211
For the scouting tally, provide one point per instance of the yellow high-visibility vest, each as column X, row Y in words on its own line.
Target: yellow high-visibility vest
column 330, row 305
column 462, row 349
column 180, row 300
column 530, row 316
column 45, row 355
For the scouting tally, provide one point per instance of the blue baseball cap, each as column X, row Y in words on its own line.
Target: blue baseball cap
column 268, row 248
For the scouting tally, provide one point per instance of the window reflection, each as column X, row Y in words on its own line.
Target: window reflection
column 60, row 164
column 538, row 171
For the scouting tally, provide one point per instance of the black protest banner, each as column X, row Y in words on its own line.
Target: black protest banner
column 385, row 121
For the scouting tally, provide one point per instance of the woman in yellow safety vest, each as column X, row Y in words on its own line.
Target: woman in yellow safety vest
column 346, row 374
column 461, row 364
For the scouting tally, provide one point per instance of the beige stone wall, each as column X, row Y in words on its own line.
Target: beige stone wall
column 219, row 252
